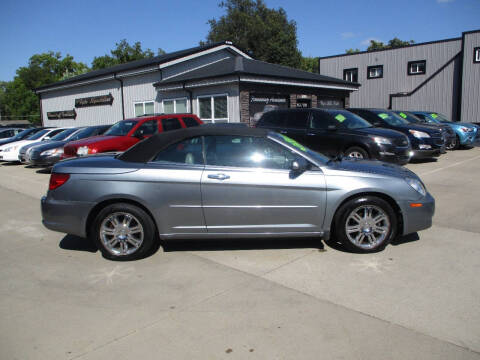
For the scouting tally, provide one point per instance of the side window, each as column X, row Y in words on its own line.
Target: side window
column 247, row 151
column 190, row 122
column 148, row 128
column 184, row 152
column 296, row 119
column 54, row 132
column 321, row 120
column 271, row 118
column 171, row 124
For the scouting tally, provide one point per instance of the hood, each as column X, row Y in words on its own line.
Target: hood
column 378, row 131
column 93, row 140
column 369, row 167
column 461, row 124
column 16, row 143
column 24, row 148
column 46, row 145
column 95, row 164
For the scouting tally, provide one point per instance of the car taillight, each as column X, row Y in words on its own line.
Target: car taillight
column 57, row 180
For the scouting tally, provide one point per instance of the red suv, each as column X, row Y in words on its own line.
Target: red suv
column 127, row 133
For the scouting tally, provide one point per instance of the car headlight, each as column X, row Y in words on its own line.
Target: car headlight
column 11, row 148
column 381, row 140
column 465, row 129
column 417, row 185
column 419, row 134
column 82, row 150
column 57, row 151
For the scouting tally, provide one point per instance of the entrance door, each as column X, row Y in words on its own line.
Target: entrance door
column 304, row 103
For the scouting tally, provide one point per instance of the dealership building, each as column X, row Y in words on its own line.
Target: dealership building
column 218, row 82
column 441, row 76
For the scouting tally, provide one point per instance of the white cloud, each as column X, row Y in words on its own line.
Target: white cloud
column 347, row 35
column 444, row 1
column 367, row 41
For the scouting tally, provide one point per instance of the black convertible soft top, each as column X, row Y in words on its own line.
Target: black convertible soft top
column 145, row 150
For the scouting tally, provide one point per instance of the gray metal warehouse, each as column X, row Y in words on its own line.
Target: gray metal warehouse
column 218, row 82
column 441, row 76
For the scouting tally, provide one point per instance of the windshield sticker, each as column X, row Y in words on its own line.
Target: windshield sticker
column 294, row 143
column 403, row 115
column 383, row 116
column 340, row 118
column 434, row 116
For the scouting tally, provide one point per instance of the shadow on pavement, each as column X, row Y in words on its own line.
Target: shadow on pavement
column 44, row 171
column 423, row 161
column 72, row 242
column 405, row 239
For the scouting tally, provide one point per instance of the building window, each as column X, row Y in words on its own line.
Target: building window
column 175, row 106
column 417, row 67
column 476, row 55
column 350, row 75
column 375, row 72
column 144, row 108
column 213, row 108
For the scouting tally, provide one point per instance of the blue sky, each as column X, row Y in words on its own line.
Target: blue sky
column 86, row 28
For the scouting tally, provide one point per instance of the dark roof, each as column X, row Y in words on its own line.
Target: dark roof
column 134, row 64
column 145, row 150
column 241, row 65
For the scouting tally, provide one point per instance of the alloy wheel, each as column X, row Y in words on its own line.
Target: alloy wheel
column 121, row 233
column 367, row 226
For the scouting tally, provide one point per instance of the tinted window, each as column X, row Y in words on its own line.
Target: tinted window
column 321, row 120
column 64, row 134
column 190, row 122
column 171, row 124
column 247, row 151
column 84, row 133
column 121, row 128
column 184, row 152
column 273, row 118
column 296, row 119
column 348, row 119
column 148, row 128
column 391, row 118
column 38, row 134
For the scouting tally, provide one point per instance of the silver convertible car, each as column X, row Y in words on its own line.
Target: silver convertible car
column 225, row 181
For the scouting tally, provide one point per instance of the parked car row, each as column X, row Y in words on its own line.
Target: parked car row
column 392, row 136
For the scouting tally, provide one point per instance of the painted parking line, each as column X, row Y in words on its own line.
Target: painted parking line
column 449, row 166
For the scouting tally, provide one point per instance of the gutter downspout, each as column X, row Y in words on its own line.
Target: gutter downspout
column 121, row 87
column 190, row 96
column 40, row 107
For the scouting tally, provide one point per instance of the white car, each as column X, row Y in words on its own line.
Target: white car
column 10, row 152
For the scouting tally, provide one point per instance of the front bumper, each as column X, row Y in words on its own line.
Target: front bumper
column 467, row 138
column 424, row 154
column 418, row 218
column 9, row 156
column 68, row 217
column 47, row 160
column 393, row 154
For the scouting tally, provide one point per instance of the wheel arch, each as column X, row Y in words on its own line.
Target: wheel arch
column 101, row 205
column 359, row 145
column 391, row 201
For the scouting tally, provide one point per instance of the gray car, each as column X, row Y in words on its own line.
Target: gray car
column 221, row 181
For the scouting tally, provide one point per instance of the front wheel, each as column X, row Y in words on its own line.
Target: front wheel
column 123, row 232
column 356, row 153
column 365, row 224
column 455, row 144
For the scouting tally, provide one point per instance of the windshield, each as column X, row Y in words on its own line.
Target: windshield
column 39, row 134
column 407, row 116
column 439, row 117
column 348, row 119
column 121, row 128
column 82, row 134
column 63, row 135
column 24, row 134
column 313, row 154
column 391, row 118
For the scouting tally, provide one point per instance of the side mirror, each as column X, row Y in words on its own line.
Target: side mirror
column 299, row 165
column 332, row 127
column 46, row 138
column 138, row 135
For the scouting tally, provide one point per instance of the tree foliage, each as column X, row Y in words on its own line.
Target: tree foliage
column 266, row 34
column 309, row 64
column 352, row 51
column 394, row 43
column 123, row 53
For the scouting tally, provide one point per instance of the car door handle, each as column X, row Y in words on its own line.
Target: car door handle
column 218, row 176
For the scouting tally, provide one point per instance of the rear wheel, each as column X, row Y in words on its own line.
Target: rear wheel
column 365, row 224
column 356, row 153
column 124, row 232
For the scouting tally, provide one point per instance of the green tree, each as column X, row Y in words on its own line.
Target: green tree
column 309, row 64
column 19, row 100
column 264, row 33
column 352, row 51
column 3, row 89
column 123, row 53
column 394, row 43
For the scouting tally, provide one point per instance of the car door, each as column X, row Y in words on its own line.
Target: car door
column 171, row 185
column 296, row 122
column 324, row 134
column 248, row 187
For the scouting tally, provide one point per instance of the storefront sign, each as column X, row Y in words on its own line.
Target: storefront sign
column 94, row 101
column 65, row 114
column 330, row 102
column 260, row 103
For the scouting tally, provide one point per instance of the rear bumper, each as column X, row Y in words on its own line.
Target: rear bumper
column 68, row 217
column 418, row 218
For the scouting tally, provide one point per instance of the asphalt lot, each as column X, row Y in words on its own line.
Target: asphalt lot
column 288, row 299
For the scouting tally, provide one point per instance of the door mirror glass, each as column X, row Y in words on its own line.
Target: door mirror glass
column 299, row 165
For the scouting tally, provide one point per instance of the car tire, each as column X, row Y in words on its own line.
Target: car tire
column 124, row 232
column 365, row 224
column 457, row 143
column 356, row 152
